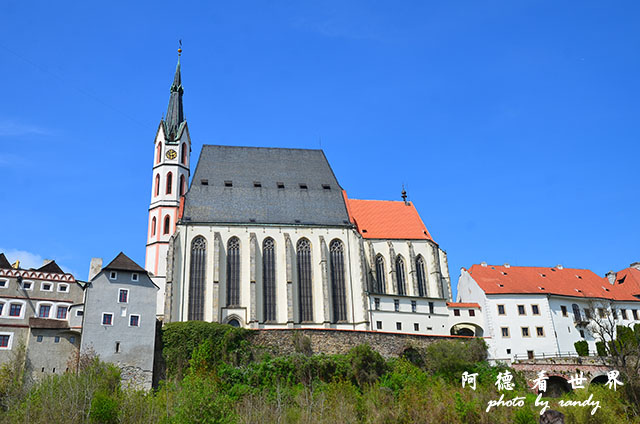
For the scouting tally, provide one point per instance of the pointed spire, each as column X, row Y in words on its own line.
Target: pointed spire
column 175, row 113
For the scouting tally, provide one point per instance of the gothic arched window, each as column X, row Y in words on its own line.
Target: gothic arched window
column 159, row 152
column 197, row 279
column 269, row 279
column 336, row 249
column 153, row 226
column 233, row 272
column 181, row 185
column 183, row 153
column 169, row 182
column 422, row 276
column 400, row 275
column 303, row 252
column 167, row 224
column 157, row 187
column 381, row 282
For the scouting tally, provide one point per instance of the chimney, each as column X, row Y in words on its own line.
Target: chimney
column 95, row 267
column 611, row 276
column 635, row 265
column 559, row 266
column 484, row 264
column 507, row 266
column 46, row 262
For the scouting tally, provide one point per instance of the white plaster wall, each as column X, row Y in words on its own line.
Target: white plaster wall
column 431, row 324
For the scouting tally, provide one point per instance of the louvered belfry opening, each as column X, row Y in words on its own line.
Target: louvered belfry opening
column 381, row 282
column 233, row 272
column 269, row 279
column 400, row 275
column 197, row 279
column 422, row 277
column 303, row 250
column 336, row 249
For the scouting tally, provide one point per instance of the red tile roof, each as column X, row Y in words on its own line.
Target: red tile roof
column 386, row 219
column 462, row 305
column 496, row 279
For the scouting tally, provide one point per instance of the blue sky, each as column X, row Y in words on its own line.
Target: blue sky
column 513, row 124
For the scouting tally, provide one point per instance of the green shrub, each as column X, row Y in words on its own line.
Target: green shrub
column 601, row 348
column 104, row 409
column 450, row 358
column 582, row 347
column 367, row 365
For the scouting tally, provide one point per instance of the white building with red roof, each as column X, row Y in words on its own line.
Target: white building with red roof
column 542, row 311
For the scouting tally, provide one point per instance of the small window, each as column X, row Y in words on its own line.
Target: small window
column 535, row 310
column 280, row 186
column 530, row 354
column 521, row 310
column 257, row 184
column 564, row 310
column 56, row 339
column 79, row 313
column 303, row 186
column 228, row 184
column 44, row 311
column 63, row 288
column 46, row 287
column 167, row 224
column 326, row 187
column 396, row 305
column 62, row 312
column 134, row 321
column 624, row 313
column 472, row 313
column 635, row 314
column 508, row 351
column 587, row 313
column 4, row 341
column 582, row 333
column 204, row 182
column 14, row 310
column 525, row 331
column 416, row 326
column 113, row 275
column 456, row 312
column 117, row 347
column 72, row 339
column 505, row 331
column 379, row 325
column 376, row 302
column 123, row 296
column 27, row 285
column 4, row 283
column 601, row 312
column 398, row 326
column 39, row 339
column 414, row 306
column 540, row 331
column 1, row 308
column 107, row 319
column 134, row 276
column 429, row 328
column 431, row 307
column 501, row 310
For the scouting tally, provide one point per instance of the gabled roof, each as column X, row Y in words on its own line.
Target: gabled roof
column 4, row 262
column 500, row 279
column 51, row 267
column 242, row 187
column 386, row 219
column 123, row 263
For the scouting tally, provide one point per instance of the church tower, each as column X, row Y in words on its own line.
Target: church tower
column 170, row 181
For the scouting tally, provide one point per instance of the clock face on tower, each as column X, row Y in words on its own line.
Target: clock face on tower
column 171, row 154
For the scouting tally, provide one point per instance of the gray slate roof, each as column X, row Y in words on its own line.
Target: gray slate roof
column 244, row 203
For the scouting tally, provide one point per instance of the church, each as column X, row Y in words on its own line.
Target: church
column 268, row 238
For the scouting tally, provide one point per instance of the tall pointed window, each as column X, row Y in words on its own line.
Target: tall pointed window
column 197, row 279
column 181, row 185
column 381, row 282
column 169, row 182
column 157, row 185
column 167, row 224
column 233, row 272
column 400, row 275
column 269, row 279
column 422, row 276
column 159, row 152
column 336, row 248
column 304, row 280
column 183, row 153
column 153, row 226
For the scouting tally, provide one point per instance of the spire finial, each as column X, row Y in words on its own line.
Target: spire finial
column 179, row 49
column 404, row 195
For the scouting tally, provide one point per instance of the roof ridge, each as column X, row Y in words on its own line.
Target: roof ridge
column 263, row 148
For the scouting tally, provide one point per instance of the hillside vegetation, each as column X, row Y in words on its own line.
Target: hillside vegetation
column 215, row 375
